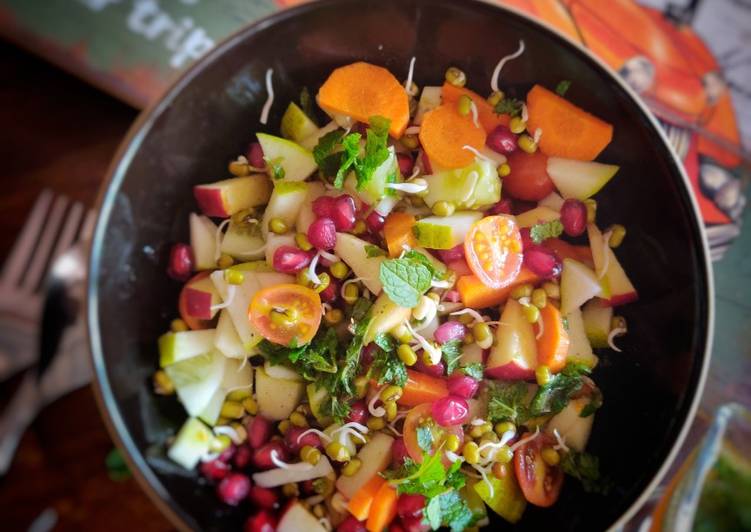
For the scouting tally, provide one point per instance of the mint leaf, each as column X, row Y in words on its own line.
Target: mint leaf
column 508, row 106
column 451, row 352
column 425, row 438
column 351, row 145
column 562, row 88
column 388, row 368
column 474, row 370
column 585, row 468
column 376, row 149
column 326, row 146
column 545, row 230
column 507, row 402
column 404, row 281
column 455, row 512
column 556, row 393
column 385, row 341
column 374, row 251
column 433, row 513
column 422, row 259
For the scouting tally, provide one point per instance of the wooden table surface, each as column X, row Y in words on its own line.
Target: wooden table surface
column 56, row 132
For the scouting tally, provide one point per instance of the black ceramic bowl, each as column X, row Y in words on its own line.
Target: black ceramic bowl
column 210, row 115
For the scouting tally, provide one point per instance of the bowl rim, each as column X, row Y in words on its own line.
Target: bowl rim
column 128, row 147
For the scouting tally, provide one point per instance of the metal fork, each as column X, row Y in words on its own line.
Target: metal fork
column 53, row 226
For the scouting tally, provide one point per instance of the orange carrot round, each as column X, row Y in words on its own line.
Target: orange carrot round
column 398, row 232
column 567, row 130
column 444, row 133
column 486, row 115
column 361, row 502
column 362, row 90
column 422, row 388
column 475, row 294
column 383, row 509
column 552, row 345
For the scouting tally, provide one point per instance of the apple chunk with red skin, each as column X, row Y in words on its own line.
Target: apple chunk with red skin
column 200, row 296
column 619, row 287
column 182, row 304
column 514, row 353
column 224, row 198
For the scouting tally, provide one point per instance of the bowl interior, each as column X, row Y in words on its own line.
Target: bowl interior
column 210, row 116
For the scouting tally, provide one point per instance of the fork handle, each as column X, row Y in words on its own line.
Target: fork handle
column 17, row 416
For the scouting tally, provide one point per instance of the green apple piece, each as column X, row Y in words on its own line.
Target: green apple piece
column 296, row 161
column 505, row 499
column 191, row 444
column 579, row 348
column 306, row 216
column 536, row 216
column 617, row 287
column 177, row 346
column 277, row 398
column 375, row 189
column 445, row 232
column 197, row 379
column 474, row 502
column 351, row 250
column 430, row 98
column 552, row 201
column 252, row 266
column 274, row 478
column 514, row 352
column 243, row 242
column 274, row 242
column 296, row 125
column 311, row 141
column 226, row 339
column 281, row 371
column 298, row 518
column 285, row 204
column 473, row 186
column 597, row 316
column 202, row 242
column 384, row 316
column 224, row 198
column 573, row 428
column 316, row 397
column 579, row 284
column 237, row 376
column 375, row 456
column 579, row 179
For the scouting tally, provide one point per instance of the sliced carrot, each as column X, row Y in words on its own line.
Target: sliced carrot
column 360, row 503
column 398, row 232
column 444, row 133
column 421, row 388
column 567, row 130
column 383, row 509
column 486, row 115
column 552, row 345
column 475, row 294
column 362, row 90
column 564, row 250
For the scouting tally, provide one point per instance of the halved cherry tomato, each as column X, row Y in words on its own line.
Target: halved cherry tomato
column 421, row 415
column 493, row 250
column 182, row 306
column 529, row 178
column 540, row 483
column 286, row 313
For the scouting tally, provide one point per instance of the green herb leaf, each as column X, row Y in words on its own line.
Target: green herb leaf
column 351, row 145
column 595, row 402
column 562, row 88
column 275, row 166
column 425, row 438
column 509, row 106
column 433, row 513
column 385, row 341
column 420, row 258
column 545, row 230
column 507, row 402
column 376, row 150
column 451, row 352
column 326, row 146
column 585, row 468
column 360, row 309
column 455, row 512
column 404, row 281
column 474, row 370
column 556, row 393
column 387, row 368
column 374, row 251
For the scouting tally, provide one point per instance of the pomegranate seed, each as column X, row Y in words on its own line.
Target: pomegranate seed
column 501, row 140
column 263, row 497
column 398, row 452
column 414, row 524
column 448, row 331
column 462, row 385
column 233, row 489
column 180, row 262
column 343, row 212
column 263, row 521
column 374, row 222
column 331, row 292
column 406, row 164
column 323, row 206
column 294, row 442
column 262, row 456
column 358, row 412
column 451, row 410
column 395, row 527
column 350, row 524
column 255, row 155
column 215, row 469
column 410, row 505
column 449, row 255
column 428, row 169
column 259, row 431
column 542, row 261
column 227, row 454
column 573, row 217
column 435, row 370
column 452, row 296
column 322, row 233
column 242, row 457
column 289, row 259
column 526, row 239
column 502, row 207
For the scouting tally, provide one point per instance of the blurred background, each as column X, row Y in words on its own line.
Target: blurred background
column 75, row 75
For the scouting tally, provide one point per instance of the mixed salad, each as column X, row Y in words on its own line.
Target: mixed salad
column 388, row 322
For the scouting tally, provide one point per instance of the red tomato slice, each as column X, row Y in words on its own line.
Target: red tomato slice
column 540, row 483
column 418, row 416
column 529, row 178
column 286, row 313
column 493, row 250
